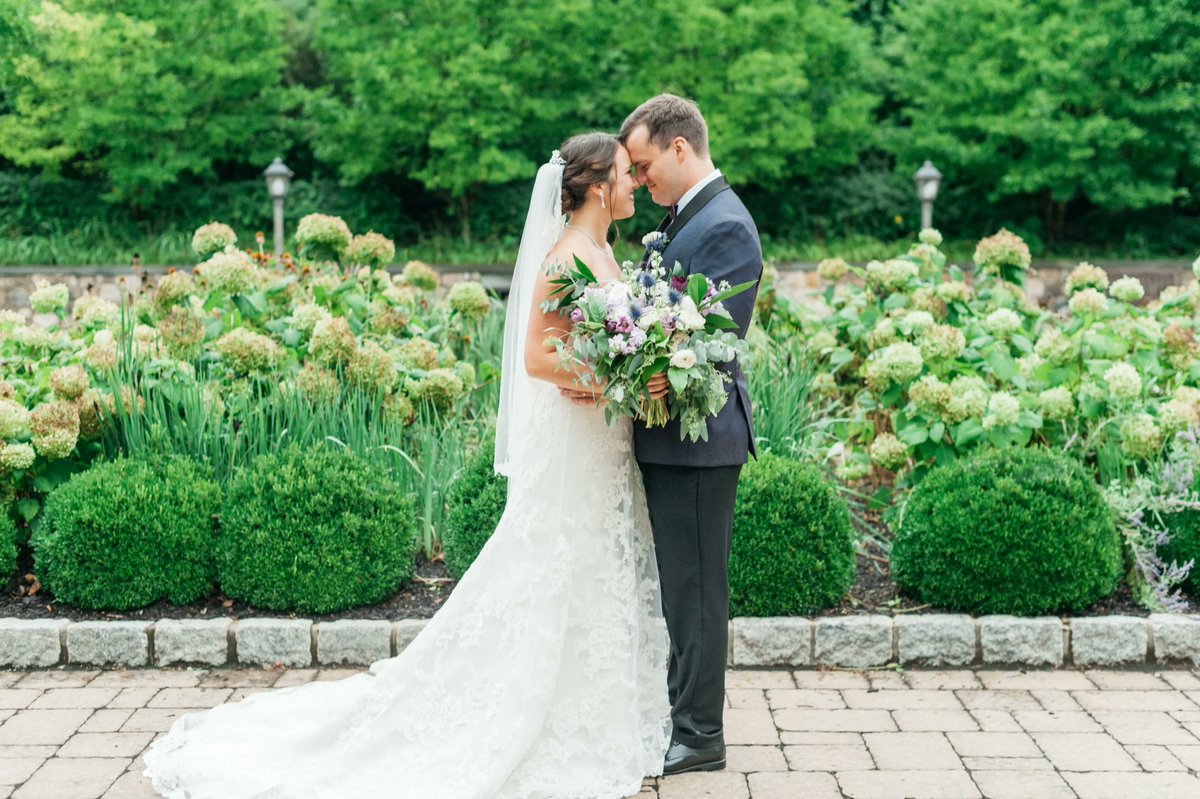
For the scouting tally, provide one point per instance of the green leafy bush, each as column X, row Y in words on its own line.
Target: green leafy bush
column 314, row 530
column 8, row 547
column 126, row 533
column 1184, row 544
column 476, row 502
column 793, row 548
column 1021, row 531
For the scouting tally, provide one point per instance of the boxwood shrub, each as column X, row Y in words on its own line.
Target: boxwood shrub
column 125, row 533
column 476, row 503
column 793, row 546
column 314, row 530
column 1019, row 531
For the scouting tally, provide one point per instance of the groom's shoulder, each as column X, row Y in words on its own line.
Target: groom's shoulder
column 725, row 211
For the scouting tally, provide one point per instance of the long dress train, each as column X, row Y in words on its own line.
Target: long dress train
column 543, row 676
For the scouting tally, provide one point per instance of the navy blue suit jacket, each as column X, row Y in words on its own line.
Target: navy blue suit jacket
column 720, row 241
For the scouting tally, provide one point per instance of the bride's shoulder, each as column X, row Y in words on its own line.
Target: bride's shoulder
column 560, row 257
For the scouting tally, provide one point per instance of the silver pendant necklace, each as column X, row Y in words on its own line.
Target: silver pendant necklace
column 589, row 235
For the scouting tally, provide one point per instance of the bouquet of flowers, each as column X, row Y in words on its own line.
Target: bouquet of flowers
column 647, row 322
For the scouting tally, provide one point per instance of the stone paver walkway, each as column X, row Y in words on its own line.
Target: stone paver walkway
column 74, row 734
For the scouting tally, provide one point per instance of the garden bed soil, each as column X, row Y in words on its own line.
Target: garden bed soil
column 872, row 592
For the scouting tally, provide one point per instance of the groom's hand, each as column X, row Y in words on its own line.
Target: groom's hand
column 657, row 386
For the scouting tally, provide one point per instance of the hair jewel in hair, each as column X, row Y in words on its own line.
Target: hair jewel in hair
column 557, row 159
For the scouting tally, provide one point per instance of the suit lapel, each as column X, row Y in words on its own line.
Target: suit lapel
column 693, row 207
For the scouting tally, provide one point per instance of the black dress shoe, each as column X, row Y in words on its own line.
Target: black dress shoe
column 682, row 758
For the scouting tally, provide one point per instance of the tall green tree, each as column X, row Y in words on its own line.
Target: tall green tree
column 1057, row 100
column 142, row 92
column 460, row 96
column 785, row 85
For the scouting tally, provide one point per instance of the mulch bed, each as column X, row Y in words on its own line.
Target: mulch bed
column 872, row 592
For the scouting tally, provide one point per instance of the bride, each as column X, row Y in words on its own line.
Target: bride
column 544, row 674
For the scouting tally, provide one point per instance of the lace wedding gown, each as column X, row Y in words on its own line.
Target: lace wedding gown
column 542, row 677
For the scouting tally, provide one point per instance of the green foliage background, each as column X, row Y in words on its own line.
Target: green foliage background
column 1074, row 122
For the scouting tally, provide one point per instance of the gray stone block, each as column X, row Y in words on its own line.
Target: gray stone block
column 938, row 639
column 192, row 641
column 31, row 643
column 853, row 641
column 1176, row 638
column 1029, row 642
column 113, row 643
column 404, row 631
column 268, row 641
column 353, row 641
column 1108, row 640
column 782, row 641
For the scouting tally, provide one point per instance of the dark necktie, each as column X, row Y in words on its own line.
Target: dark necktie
column 673, row 210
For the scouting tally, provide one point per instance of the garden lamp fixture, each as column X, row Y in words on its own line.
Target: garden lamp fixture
column 927, row 179
column 278, row 177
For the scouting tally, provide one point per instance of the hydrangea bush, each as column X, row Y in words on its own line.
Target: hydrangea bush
column 931, row 367
column 239, row 326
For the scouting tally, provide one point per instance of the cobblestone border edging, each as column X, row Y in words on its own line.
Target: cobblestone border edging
column 935, row 640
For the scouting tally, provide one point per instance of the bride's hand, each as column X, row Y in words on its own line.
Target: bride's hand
column 580, row 397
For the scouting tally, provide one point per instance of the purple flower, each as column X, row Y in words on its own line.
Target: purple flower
column 679, row 282
column 576, row 315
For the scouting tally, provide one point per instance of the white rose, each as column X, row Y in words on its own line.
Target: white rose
column 689, row 316
column 679, row 339
column 648, row 319
column 651, row 237
column 683, row 359
column 618, row 293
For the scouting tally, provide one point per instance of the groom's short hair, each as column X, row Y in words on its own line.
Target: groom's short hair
column 665, row 117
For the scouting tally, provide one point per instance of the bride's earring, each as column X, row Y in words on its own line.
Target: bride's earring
column 602, row 198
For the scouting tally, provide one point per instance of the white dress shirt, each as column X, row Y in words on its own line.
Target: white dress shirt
column 694, row 190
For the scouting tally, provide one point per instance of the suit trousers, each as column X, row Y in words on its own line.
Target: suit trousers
column 691, row 513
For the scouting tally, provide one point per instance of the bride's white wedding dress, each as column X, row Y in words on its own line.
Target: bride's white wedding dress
column 543, row 676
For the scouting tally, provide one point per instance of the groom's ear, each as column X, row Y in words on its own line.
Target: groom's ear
column 681, row 148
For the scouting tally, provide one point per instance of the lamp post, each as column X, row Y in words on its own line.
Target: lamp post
column 927, row 179
column 278, row 177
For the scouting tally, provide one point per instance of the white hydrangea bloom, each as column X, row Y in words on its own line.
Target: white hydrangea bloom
column 916, row 321
column 1002, row 322
column 1056, row 403
column 49, row 297
column 1088, row 301
column 1002, row 409
column 14, row 419
column 1127, row 289
column 1123, row 381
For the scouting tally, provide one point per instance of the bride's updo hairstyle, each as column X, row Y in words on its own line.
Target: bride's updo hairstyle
column 589, row 158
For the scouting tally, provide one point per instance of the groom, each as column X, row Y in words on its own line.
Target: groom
column 691, row 487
